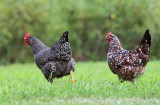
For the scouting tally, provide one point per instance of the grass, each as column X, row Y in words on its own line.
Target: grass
column 96, row 84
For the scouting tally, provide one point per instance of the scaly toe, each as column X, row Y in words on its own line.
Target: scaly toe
column 74, row 81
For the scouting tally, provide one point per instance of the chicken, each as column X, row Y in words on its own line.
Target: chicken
column 128, row 64
column 54, row 62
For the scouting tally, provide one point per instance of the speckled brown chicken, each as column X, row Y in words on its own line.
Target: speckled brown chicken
column 128, row 64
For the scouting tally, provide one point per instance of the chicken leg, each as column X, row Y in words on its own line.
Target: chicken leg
column 73, row 81
column 134, row 81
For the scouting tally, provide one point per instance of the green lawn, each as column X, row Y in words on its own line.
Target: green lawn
column 25, row 84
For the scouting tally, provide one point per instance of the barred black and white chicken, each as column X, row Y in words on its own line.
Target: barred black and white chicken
column 54, row 62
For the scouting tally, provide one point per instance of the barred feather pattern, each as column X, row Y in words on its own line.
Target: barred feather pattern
column 61, row 51
column 57, row 69
column 54, row 62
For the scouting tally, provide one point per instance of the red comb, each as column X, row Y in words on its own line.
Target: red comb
column 108, row 34
column 26, row 35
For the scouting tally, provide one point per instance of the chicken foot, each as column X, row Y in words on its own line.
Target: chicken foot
column 73, row 81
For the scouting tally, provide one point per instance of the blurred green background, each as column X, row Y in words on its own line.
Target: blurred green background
column 88, row 22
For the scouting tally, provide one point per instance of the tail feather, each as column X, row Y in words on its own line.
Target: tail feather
column 64, row 37
column 146, row 43
column 61, row 50
column 146, row 38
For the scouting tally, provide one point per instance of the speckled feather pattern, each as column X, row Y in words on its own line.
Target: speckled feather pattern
column 54, row 62
column 128, row 65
